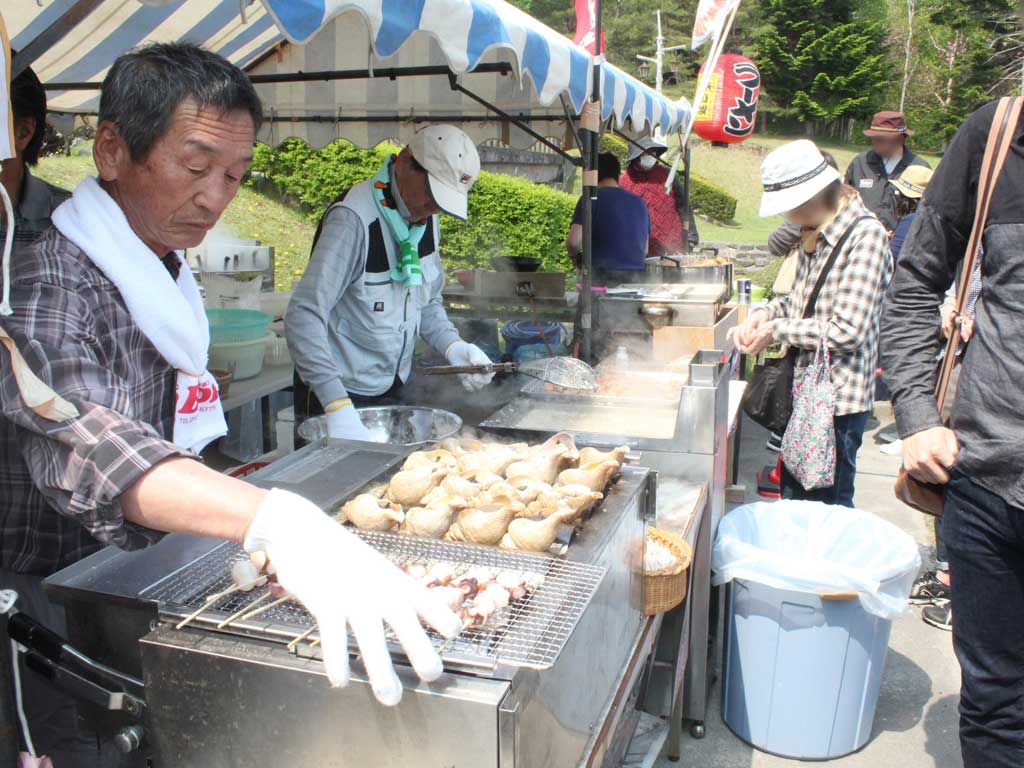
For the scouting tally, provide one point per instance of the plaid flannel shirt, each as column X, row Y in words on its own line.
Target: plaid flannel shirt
column 848, row 308
column 60, row 482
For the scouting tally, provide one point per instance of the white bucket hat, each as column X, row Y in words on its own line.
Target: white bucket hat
column 645, row 145
column 793, row 174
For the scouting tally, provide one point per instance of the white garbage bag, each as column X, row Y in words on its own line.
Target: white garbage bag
column 811, row 547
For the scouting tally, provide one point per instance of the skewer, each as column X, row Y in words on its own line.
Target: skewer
column 250, row 613
column 292, row 645
column 244, row 610
column 210, row 599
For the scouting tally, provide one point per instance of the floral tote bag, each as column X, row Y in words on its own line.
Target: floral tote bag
column 809, row 445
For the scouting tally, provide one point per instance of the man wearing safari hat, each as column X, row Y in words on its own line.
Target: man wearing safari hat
column 373, row 284
column 871, row 171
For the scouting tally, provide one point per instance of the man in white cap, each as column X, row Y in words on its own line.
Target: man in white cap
column 374, row 281
column 845, row 266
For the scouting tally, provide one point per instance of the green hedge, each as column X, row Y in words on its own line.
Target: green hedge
column 711, row 200
column 617, row 146
column 507, row 215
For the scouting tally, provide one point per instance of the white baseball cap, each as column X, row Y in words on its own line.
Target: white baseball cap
column 452, row 165
column 792, row 175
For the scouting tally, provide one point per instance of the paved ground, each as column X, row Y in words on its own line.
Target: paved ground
column 916, row 720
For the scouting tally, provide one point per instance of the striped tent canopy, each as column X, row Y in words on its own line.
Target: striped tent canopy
column 384, row 65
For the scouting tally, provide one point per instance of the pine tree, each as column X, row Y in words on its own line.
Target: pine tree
column 823, row 60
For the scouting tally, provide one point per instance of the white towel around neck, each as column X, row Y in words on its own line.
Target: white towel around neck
column 170, row 314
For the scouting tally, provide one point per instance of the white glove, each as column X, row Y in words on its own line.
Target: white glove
column 343, row 421
column 342, row 580
column 462, row 353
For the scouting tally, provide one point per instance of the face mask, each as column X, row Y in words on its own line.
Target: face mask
column 647, row 162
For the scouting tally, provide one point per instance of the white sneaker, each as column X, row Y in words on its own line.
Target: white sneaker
column 895, row 448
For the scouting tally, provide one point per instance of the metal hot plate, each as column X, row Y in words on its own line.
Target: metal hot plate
column 704, row 293
column 528, row 633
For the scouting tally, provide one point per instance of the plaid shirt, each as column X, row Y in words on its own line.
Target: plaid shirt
column 60, row 482
column 666, row 224
column 848, row 308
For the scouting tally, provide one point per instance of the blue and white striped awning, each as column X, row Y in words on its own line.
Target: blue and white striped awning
column 278, row 37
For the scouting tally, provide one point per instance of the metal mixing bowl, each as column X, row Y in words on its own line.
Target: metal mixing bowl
column 394, row 424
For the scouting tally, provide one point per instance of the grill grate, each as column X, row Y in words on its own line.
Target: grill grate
column 528, row 633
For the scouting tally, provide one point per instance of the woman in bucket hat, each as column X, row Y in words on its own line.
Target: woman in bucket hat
column 889, row 156
column 910, row 187
column 799, row 184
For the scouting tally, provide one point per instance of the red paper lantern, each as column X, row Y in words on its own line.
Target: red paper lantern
column 728, row 111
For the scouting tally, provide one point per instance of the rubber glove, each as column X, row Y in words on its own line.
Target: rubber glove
column 463, row 353
column 344, row 581
column 343, row 421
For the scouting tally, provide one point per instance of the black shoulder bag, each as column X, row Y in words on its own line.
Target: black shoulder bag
column 768, row 399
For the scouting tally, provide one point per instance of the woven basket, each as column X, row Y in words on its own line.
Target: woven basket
column 665, row 589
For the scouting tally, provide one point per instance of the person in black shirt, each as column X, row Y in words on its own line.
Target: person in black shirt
column 978, row 456
column 622, row 224
column 32, row 198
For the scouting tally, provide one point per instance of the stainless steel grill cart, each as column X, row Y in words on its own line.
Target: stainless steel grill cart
column 545, row 686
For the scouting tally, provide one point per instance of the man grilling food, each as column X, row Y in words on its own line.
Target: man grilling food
column 107, row 324
column 374, row 281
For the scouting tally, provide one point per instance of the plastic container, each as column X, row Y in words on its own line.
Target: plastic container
column 813, row 592
column 520, row 333
column 243, row 358
column 528, row 352
column 231, row 326
column 802, row 673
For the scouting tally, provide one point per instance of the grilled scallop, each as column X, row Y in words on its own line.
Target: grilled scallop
column 409, row 486
column 460, row 486
column 527, row 490
column 534, row 535
column 481, row 477
column 576, row 499
column 593, row 456
column 594, row 476
column 368, row 513
column 493, row 457
column 501, row 494
column 431, row 521
column 438, row 458
column 481, row 525
column 541, row 466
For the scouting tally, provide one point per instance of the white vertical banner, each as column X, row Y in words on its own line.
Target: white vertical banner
column 713, row 22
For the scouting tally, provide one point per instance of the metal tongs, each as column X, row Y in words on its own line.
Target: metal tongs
column 562, row 372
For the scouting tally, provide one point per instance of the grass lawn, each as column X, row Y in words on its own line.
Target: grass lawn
column 250, row 215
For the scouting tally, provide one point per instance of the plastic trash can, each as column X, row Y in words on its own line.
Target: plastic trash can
column 812, row 594
column 520, row 333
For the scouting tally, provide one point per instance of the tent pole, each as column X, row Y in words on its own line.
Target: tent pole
column 686, row 198
column 456, row 86
column 329, row 75
column 591, row 135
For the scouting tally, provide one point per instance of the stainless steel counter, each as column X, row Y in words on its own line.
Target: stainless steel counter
column 216, row 699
